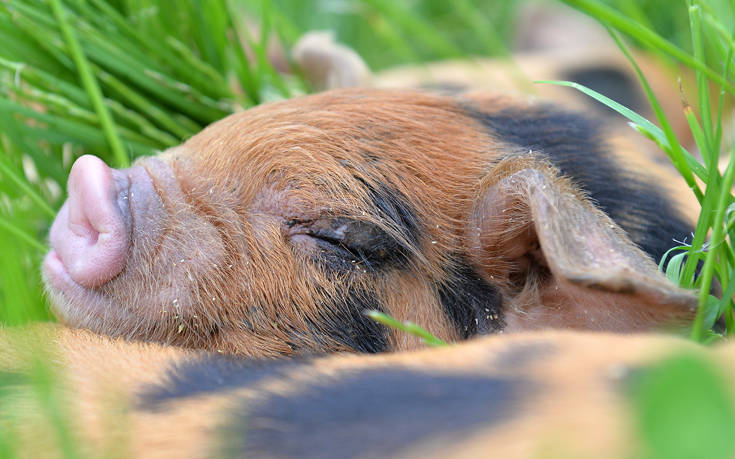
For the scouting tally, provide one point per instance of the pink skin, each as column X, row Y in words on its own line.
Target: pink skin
column 92, row 233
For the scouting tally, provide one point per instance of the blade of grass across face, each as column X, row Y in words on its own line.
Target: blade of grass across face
column 407, row 327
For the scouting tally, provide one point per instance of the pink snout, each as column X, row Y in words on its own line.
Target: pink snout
column 91, row 233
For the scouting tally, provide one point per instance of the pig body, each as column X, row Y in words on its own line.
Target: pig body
column 271, row 231
column 514, row 395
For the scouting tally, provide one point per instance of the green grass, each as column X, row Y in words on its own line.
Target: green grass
column 124, row 78
column 683, row 408
column 406, row 327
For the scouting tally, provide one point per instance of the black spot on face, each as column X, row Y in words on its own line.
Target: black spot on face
column 364, row 250
column 398, row 212
column 343, row 321
column 354, row 253
column 371, row 413
column 473, row 304
column 385, row 238
column 573, row 143
column 346, row 244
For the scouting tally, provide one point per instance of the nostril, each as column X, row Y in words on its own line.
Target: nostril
column 90, row 233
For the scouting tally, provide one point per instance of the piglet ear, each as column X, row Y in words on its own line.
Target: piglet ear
column 561, row 261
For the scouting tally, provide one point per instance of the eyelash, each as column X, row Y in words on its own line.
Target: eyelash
column 333, row 236
column 338, row 246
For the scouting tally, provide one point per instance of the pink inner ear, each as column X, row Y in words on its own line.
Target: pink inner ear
column 599, row 278
column 502, row 237
column 563, row 304
column 90, row 234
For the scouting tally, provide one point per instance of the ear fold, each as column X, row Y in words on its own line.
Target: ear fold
column 561, row 261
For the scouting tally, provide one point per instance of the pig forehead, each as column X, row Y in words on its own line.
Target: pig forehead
column 339, row 145
column 341, row 125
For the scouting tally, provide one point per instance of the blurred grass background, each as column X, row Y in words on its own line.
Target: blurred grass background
column 124, row 78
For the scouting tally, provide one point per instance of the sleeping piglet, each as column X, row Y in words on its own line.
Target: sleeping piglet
column 273, row 230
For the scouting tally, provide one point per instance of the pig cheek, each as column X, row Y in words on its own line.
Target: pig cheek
column 163, row 282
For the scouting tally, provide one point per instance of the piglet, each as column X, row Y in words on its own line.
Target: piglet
column 273, row 230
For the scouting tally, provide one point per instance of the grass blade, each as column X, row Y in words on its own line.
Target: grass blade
column 717, row 238
column 408, row 327
column 7, row 171
column 650, row 38
column 91, row 86
column 639, row 122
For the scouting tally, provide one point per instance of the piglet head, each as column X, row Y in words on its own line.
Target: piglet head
column 269, row 233
column 273, row 230
column 124, row 249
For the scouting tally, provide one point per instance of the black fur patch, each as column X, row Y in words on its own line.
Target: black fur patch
column 474, row 305
column 612, row 82
column 574, row 144
column 348, row 244
column 371, row 413
column 212, row 374
column 364, row 249
column 344, row 321
column 396, row 209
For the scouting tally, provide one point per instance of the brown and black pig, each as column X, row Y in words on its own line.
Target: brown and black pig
column 540, row 394
column 273, row 230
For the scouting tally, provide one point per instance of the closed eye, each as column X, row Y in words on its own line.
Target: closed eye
column 347, row 243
